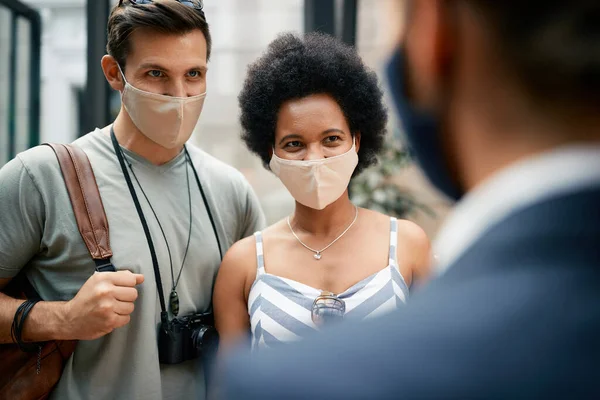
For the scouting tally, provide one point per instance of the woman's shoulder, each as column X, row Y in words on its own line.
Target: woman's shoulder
column 239, row 265
column 239, row 262
column 412, row 233
column 412, row 242
column 408, row 231
column 243, row 253
column 240, row 251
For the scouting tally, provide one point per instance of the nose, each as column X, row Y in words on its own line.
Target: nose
column 178, row 89
column 314, row 151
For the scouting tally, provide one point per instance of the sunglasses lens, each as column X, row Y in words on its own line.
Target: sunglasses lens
column 197, row 5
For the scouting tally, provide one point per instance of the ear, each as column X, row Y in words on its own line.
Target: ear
column 429, row 43
column 357, row 141
column 112, row 73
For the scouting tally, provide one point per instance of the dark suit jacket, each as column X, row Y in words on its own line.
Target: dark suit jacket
column 517, row 316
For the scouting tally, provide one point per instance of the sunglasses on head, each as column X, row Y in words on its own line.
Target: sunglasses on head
column 197, row 5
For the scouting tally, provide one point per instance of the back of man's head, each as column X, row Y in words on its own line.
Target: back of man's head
column 164, row 16
column 552, row 48
column 483, row 83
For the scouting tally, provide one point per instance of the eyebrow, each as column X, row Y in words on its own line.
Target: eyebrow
column 160, row 67
column 297, row 136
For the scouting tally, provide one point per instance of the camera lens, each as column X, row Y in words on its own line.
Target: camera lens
column 205, row 339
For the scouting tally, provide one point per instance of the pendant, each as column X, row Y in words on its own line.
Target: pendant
column 317, row 256
column 174, row 302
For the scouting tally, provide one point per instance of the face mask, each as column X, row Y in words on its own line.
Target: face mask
column 316, row 183
column 167, row 121
column 421, row 132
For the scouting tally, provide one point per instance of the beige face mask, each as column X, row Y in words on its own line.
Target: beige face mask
column 316, row 183
column 167, row 121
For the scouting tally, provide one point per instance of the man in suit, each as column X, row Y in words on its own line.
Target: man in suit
column 501, row 105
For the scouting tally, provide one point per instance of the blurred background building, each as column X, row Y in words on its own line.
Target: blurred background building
column 52, row 87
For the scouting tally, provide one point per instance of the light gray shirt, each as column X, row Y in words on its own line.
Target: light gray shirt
column 39, row 234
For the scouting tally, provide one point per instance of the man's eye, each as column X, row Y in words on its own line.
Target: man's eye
column 331, row 139
column 194, row 74
column 155, row 73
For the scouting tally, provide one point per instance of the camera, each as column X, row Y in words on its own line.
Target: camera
column 187, row 338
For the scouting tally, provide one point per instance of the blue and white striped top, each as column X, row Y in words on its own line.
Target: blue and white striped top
column 280, row 308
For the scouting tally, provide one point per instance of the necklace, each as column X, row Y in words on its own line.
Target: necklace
column 318, row 253
column 173, row 296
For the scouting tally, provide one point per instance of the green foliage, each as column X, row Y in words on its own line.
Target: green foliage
column 374, row 189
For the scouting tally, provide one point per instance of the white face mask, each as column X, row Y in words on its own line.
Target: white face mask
column 316, row 183
column 167, row 121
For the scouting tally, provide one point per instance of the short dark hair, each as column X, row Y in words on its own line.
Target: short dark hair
column 295, row 67
column 166, row 16
column 553, row 48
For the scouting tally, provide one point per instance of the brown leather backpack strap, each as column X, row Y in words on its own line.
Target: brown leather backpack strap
column 86, row 201
column 28, row 376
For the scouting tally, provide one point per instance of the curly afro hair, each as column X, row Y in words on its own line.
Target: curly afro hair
column 295, row 67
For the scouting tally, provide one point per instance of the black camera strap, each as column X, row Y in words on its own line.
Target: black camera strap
column 164, row 316
column 210, row 216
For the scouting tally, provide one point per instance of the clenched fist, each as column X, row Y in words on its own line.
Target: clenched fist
column 103, row 304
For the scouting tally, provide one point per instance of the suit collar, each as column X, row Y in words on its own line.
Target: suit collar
column 521, row 185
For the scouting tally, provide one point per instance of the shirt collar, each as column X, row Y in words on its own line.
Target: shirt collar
column 559, row 171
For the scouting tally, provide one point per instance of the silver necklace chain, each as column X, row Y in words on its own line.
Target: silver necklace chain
column 318, row 253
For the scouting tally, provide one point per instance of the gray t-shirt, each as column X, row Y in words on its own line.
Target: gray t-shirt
column 38, row 233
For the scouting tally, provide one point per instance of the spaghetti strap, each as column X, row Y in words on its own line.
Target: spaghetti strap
column 260, row 259
column 393, row 257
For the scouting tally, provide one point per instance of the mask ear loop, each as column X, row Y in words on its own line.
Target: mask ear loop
column 124, row 81
column 122, row 74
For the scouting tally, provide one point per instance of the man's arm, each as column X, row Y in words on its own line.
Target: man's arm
column 102, row 304
column 22, row 213
column 45, row 322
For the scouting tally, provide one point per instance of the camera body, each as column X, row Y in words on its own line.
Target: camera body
column 187, row 338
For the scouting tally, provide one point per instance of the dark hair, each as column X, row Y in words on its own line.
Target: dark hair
column 166, row 16
column 553, row 48
column 294, row 67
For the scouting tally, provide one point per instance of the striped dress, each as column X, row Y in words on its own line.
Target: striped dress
column 280, row 308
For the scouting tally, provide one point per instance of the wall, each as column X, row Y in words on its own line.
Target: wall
column 5, row 39
column 241, row 30
column 63, row 69
column 380, row 27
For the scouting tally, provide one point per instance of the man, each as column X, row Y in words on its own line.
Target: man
column 500, row 102
column 157, row 58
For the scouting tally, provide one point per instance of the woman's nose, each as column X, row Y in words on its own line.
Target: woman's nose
column 314, row 152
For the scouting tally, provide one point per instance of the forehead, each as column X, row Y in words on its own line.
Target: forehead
column 313, row 113
column 150, row 46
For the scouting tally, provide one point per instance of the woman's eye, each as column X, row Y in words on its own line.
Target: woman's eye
column 155, row 73
column 293, row 144
column 331, row 139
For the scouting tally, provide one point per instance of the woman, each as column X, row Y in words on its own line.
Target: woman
column 314, row 114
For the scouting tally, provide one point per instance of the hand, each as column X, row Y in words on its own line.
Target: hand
column 103, row 304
